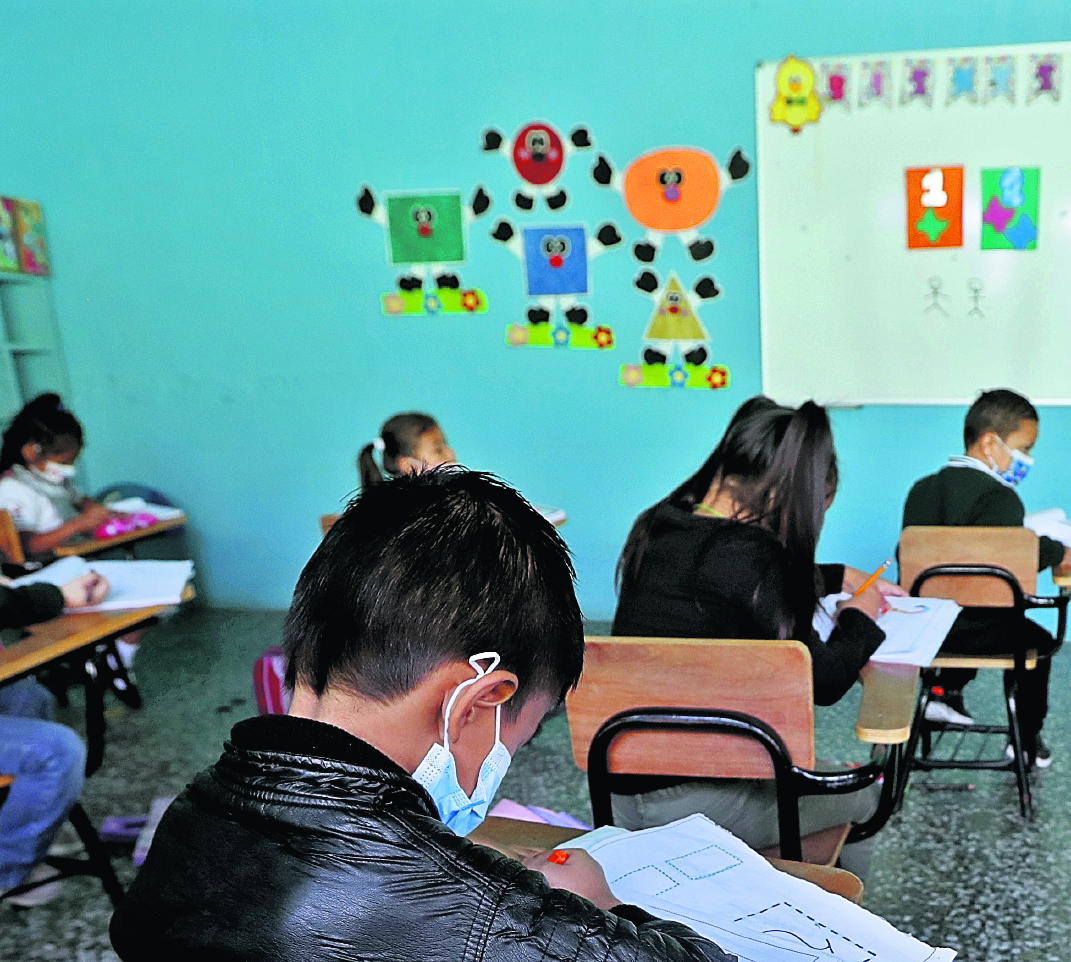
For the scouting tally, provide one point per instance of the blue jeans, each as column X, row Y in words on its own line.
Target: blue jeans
column 48, row 762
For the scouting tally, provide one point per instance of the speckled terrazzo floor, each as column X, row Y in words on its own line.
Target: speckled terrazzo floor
column 955, row 868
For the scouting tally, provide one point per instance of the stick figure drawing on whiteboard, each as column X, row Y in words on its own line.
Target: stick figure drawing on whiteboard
column 935, row 296
column 976, row 285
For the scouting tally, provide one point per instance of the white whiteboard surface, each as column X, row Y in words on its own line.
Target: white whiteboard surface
column 847, row 310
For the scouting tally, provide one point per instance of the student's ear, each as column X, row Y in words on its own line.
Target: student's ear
column 493, row 689
column 30, row 452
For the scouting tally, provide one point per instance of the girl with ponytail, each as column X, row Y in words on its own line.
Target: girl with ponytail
column 730, row 553
column 407, row 443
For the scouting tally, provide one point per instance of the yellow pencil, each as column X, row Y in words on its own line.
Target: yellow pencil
column 874, row 577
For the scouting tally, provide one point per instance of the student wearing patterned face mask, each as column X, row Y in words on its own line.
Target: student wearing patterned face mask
column 978, row 489
column 433, row 628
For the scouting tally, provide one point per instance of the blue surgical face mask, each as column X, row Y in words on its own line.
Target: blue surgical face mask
column 461, row 813
column 1017, row 469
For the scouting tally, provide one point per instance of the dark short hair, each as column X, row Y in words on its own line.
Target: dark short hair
column 999, row 411
column 429, row 568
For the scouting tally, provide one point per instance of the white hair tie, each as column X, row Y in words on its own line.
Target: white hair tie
column 379, row 445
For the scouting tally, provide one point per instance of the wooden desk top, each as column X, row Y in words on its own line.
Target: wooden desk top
column 1061, row 576
column 518, row 839
column 888, row 703
column 59, row 637
column 84, row 546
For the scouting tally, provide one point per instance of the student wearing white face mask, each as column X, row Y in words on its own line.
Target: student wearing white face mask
column 37, row 477
column 433, row 628
column 977, row 488
column 37, row 489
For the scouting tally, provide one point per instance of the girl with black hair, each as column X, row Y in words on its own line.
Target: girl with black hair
column 407, row 443
column 731, row 554
column 37, row 477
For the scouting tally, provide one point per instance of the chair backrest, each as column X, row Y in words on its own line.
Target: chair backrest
column 326, row 520
column 10, row 543
column 1015, row 549
column 770, row 680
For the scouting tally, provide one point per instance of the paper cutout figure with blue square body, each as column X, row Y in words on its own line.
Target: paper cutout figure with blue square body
column 555, row 260
column 425, row 231
column 1010, row 208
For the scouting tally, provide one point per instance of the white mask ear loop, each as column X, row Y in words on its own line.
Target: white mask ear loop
column 494, row 657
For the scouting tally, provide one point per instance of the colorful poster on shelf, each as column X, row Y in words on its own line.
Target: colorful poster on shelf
column 30, row 237
column 9, row 255
column 934, row 207
column 1010, row 208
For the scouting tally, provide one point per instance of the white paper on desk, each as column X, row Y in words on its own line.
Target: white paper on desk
column 131, row 584
column 553, row 515
column 139, row 505
column 1052, row 523
column 915, row 628
column 697, row 873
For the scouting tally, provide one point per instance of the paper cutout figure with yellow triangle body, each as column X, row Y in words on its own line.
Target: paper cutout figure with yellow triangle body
column 796, row 103
column 675, row 327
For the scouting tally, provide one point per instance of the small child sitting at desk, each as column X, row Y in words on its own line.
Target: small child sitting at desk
column 978, row 489
column 37, row 477
column 37, row 489
column 407, row 443
column 432, row 629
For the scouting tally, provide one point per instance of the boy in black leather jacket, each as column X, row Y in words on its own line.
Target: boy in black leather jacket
column 429, row 634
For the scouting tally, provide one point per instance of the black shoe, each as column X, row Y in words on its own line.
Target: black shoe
column 112, row 673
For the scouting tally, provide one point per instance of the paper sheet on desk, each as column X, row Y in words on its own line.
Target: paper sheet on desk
column 915, row 628
column 141, row 506
column 1052, row 523
column 697, row 873
column 132, row 584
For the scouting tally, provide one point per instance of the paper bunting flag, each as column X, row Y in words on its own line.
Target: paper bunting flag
column 875, row 83
column 917, row 82
column 1000, row 79
column 834, row 86
column 1045, row 77
column 963, row 79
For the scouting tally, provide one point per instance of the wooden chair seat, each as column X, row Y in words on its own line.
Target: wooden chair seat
column 977, row 567
column 761, row 682
column 326, row 520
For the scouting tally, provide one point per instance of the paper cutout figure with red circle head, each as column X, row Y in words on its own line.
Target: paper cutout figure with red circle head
column 538, row 154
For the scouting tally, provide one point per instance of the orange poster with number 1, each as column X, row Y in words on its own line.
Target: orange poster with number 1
column 934, row 207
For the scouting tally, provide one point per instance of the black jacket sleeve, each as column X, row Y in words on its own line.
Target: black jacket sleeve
column 29, row 605
column 835, row 663
column 1049, row 553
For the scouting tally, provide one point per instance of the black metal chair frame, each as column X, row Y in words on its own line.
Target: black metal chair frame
column 95, row 863
column 791, row 782
column 921, row 729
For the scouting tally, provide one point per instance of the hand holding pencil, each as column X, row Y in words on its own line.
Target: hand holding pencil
column 85, row 590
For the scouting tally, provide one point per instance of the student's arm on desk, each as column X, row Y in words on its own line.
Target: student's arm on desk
column 45, row 541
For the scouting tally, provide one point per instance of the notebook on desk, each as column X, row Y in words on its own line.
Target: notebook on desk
column 915, row 628
column 696, row 872
column 132, row 584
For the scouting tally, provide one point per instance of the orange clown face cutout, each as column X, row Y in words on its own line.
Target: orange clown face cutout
column 672, row 190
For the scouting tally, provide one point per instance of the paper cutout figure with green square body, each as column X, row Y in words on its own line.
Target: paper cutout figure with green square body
column 1010, row 208
column 425, row 228
column 424, row 232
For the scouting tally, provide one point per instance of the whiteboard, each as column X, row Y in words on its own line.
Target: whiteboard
column 850, row 313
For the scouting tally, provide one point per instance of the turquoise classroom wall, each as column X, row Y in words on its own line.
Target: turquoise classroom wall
column 218, row 295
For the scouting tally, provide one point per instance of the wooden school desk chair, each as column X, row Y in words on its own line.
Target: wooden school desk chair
column 326, row 520
column 10, row 542
column 704, row 708
column 96, row 862
column 986, row 568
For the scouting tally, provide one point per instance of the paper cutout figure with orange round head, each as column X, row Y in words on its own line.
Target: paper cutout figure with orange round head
column 796, row 103
column 538, row 154
column 673, row 190
column 675, row 322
